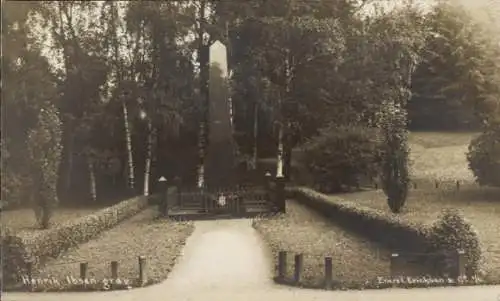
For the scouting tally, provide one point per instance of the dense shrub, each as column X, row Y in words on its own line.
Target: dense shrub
column 484, row 156
column 452, row 232
column 341, row 156
column 44, row 144
column 54, row 241
column 13, row 256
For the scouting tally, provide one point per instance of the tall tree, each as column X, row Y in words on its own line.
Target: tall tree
column 456, row 78
column 28, row 85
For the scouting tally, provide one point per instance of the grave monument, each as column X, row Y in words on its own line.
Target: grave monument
column 220, row 157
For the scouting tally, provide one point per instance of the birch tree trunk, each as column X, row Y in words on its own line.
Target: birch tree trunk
column 201, row 149
column 255, row 135
column 281, row 124
column 149, row 153
column 69, row 167
column 279, row 165
column 203, row 60
column 93, row 184
column 287, row 153
column 128, row 139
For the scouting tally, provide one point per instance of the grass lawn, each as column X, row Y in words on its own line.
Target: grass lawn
column 23, row 220
column 481, row 206
column 300, row 230
column 433, row 155
column 160, row 240
column 441, row 139
column 440, row 156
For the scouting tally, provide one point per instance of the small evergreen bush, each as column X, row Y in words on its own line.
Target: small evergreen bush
column 451, row 233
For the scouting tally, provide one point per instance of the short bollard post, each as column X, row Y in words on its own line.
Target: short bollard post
column 436, row 184
column 83, row 270
column 142, row 270
column 414, row 185
column 299, row 261
column 114, row 270
column 282, row 265
column 458, row 185
column 29, row 271
column 328, row 273
column 460, row 265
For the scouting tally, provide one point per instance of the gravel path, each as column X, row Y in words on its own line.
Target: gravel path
column 225, row 260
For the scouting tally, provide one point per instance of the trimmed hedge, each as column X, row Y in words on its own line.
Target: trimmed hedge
column 392, row 231
column 52, row 242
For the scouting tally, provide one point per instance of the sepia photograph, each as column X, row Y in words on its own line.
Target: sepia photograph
column 250, row 150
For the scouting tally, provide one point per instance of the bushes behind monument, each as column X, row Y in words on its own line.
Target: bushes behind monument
column 19, row 249
column 342, row 156
column 446, row 235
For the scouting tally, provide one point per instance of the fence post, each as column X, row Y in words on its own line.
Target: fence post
column 458, row 185
column 162, row 181
column 280, row 195
column 395, row 265
column 267, row 187
column 142, row 271
column 114, row 270
column 299, row 262
column 282, row 265
column 459, row 265
column 83, row 270
column 328, row 273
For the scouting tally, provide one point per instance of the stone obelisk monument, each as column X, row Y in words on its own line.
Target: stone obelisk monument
column 221, row 157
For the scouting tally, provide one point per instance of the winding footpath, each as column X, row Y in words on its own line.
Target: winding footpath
column 226, row 260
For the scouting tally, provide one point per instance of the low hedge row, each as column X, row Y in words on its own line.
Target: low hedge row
column 13, row 256
column 18, row 250
column 450, row 233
